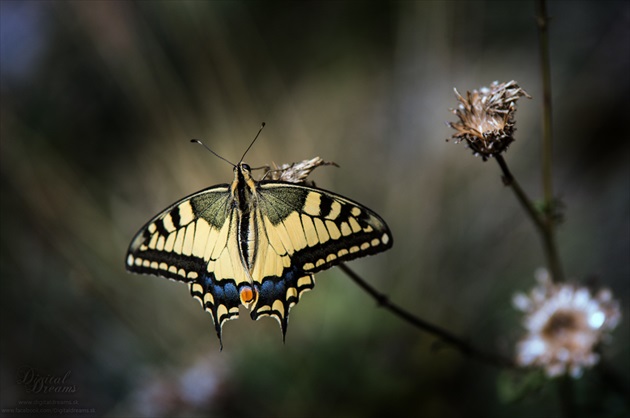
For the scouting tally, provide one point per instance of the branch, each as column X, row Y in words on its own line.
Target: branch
column 547, row 143
column 545, row 69
column 544, row 228
column 460, row 344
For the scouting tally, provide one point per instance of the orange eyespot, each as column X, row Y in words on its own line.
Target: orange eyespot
column 247, row 295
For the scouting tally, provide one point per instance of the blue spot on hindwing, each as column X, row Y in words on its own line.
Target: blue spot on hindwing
column 230, row 291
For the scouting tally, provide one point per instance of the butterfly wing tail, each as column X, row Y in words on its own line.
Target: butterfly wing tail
column 220, row 299
column 277, row 295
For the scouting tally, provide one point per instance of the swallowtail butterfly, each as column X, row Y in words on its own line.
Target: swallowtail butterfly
column 255, row 243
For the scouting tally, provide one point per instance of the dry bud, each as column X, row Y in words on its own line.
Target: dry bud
column 486, row 118
column 295, row 172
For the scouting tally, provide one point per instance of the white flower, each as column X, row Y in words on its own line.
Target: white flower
column 564, row 324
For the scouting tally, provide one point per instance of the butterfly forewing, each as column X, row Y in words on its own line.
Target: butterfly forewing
column 323, row 228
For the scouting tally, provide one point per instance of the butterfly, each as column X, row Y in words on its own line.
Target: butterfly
column 254, row 243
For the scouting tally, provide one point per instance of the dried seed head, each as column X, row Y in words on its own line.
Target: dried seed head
column 486, row 118
column 295, row 172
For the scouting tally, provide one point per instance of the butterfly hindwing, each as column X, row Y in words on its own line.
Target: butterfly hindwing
column 307, row 230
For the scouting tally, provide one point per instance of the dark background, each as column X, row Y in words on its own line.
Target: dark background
column 100, row 99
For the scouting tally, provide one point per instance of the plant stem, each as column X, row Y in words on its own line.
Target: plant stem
column 543, row 43
column 611, row 378
column 509, row 180
column 462, row 345
column 565, row 385
column 546, row 233
column 547, row 142
column 565, row 393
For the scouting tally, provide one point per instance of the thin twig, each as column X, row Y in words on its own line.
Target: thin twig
column 543, row 44
column 566, row 395
column 509, row 180
column 550, row 249
column 565, row 385
column 542, row 20
column 612, row 379
column 462, row 345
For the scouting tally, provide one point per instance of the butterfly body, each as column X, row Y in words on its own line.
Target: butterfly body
column 255, row 243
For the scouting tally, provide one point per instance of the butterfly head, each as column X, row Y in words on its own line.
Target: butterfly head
column 244, row 167
column 243, row 187
column 242, row 173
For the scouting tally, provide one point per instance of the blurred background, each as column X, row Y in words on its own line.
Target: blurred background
column 99, row 101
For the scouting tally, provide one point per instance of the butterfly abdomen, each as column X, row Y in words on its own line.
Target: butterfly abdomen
column 248, row 238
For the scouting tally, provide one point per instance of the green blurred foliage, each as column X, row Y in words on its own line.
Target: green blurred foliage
column 99, row 101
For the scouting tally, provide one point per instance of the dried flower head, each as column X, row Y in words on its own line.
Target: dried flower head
column 486, row 118
column 295, row 172
column 564, row 323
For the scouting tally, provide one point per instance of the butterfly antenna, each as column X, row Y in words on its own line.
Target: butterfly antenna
column 255, row 138
column 206, row 147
